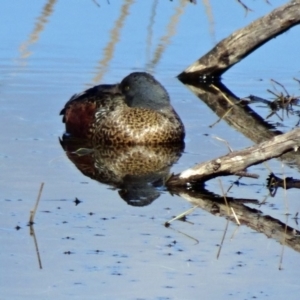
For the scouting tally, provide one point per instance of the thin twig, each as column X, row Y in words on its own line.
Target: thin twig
column 246, row 174
column 267, row 167
column 32, row 233
column 235, row 216
column 96, row 3
column 221, row 92
column 264, row 200
column 285, row 228
column 32, row 212
column 247, row 9
column 222, row 241
column 235, row 231
column 233, row 184
column 285, row 191
column 224, row 196
column 185, row 213
column 283, row 244
column 280, row 84
column 221, row 118
column 187, row 235
column 225, row 142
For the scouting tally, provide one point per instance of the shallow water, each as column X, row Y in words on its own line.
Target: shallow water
column 104, row 248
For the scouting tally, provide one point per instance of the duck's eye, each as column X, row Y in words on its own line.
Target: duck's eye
column 126, row 88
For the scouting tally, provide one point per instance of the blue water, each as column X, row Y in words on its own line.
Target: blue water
column 48, row 55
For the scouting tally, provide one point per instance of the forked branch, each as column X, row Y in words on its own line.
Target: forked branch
column 236, row 161
column 244, row 41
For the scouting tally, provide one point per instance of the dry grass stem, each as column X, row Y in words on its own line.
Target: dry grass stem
column 220, row 119
column 97, row 4
column 283, row 244
column 234, row 232
column 267, row 166
column 232, row 185
column 285, row 191
column 246, row 8
column 223, row 238
column 224, row 196
column 264, row 200
column 225, row 142
column 33, row 212
column 32, row 233
column 246, row 174
column 167, row 224
column 185, row 234
column 287, row 209
column 221, row 92
column 235, row 216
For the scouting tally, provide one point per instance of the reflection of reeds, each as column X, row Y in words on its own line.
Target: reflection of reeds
column 171, row 30
column 40, row 24
column 210, row 17
column 150, row 29
column 114, row 38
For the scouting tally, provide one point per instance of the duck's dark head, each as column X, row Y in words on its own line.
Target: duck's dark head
column 143, row 90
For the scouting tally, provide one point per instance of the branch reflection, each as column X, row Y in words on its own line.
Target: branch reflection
column 251, row 217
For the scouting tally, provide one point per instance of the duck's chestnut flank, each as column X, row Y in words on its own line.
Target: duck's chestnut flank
column 136, row 111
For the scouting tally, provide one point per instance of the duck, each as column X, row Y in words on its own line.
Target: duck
column 136, row 111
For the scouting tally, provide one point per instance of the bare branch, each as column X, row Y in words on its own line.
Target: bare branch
column 234, row 162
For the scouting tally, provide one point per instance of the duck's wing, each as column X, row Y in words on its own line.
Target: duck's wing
column 91, row 95
column 79, row 112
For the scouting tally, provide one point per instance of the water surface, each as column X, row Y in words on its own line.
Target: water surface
column 104, row 248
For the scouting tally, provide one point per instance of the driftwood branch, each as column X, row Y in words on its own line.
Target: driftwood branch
column 244, row 41
column 237, row 161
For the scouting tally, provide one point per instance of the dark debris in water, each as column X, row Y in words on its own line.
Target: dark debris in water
column 68, row 238
column 99, row 251
column 77, row 201
column 283, row 101
column 274, row 182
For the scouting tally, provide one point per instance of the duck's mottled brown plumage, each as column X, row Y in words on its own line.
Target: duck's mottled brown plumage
column 137, row 111
column 117, row 123
column 79, row 112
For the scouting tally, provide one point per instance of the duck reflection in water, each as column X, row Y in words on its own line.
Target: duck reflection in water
column 138, row 172
column 134, row 133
